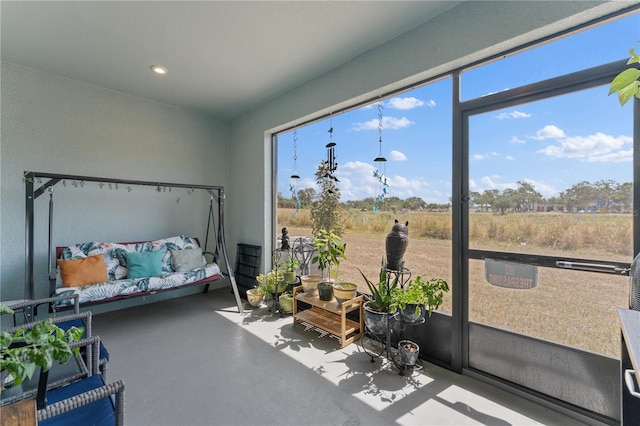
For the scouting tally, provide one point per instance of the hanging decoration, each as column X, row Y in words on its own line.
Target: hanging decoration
column 380, row 174
column 332, row 166
column 293, row 179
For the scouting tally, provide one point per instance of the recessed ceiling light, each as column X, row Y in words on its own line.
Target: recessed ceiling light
column 158, row 69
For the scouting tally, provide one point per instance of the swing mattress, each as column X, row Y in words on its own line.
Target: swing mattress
column 119, row 285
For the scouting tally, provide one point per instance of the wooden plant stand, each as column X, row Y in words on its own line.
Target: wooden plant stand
column 329, row 316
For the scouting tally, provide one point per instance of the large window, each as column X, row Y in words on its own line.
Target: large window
column 550, row 177
column 416, row 141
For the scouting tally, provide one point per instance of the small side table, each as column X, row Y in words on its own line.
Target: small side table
column 330, row 317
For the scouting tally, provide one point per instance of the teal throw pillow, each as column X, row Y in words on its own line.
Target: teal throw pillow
column 144, row 264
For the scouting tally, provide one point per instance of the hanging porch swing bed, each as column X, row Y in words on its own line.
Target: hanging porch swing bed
column 100, row 272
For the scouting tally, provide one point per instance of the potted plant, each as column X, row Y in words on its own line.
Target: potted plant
column 310, row 284
column 286, row 302
column 409, row 352
column 255, row 295
column 344, row 291
column 24, row 350
column 418, row 297
column 376, row 308
column 271, row 283
column 289, row 267
column 329, row 252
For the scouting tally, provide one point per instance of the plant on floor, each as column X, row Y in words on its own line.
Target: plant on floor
column 627, row 83
column 286, row 301
column 24, row 350
column 419, row 292
column 255, row 295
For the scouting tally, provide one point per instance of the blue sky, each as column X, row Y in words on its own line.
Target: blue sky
column 553, row 144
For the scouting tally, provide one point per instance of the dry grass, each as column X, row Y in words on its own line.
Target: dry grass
column 569, row 307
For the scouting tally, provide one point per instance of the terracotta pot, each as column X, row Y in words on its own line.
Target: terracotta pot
column 254, row 298
column 310, row 284
column 344, row 291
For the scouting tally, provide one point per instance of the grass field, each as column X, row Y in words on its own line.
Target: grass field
column 569, row 307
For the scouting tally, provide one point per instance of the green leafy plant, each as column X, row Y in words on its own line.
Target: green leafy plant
column 380, row 298
column 290, row 264
column 260, row 290
column 627, row 83
column 330, row 250
column 273, row 280
column 419, row 292
column 326, row 210
column 24, row 350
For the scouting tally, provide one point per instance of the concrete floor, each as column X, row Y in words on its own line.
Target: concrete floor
column 196, row 361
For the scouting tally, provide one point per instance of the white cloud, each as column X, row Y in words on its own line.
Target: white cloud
column 512, row 114
column 514, row 139
column 357, row 182
column 397, row 156
column 613, row 157
column 366, row 125
column 549, row 132
column 431, row 103
column 404, row 103
column 396, row 123
column 486, row 155
column 592, row 148
column 388, row 123
column 509, row 157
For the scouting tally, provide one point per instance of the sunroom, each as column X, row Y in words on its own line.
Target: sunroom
column 79, row 99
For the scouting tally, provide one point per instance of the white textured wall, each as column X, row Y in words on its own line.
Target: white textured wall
column 470, row 32
column 56, row 125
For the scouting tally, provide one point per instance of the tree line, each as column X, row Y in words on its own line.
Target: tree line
column 603, row 196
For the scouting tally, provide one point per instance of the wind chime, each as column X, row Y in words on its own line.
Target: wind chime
column 331, row 165
column 380, row 174
column 293, row 179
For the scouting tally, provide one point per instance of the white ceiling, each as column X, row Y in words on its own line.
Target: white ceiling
column 223, row 58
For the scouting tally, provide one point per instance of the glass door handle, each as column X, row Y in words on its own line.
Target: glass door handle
column 628, row 379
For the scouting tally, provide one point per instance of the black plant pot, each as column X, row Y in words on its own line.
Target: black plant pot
column 325, row 291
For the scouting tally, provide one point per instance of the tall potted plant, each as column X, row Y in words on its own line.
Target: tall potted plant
column 329, row 251
column 377, row 305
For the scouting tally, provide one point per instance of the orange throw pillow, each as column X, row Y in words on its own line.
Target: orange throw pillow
column 78, row 272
